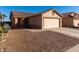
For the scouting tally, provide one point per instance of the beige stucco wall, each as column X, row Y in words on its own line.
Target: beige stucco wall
column 15, row 20
column 76, row 22
column 35, row 21
column 50, row 14
column 67, row 22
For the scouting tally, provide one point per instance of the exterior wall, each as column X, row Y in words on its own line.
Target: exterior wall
column 53, row 15
column 35, row 21
column 76, row 22
column 16, row 22
column 67, row 22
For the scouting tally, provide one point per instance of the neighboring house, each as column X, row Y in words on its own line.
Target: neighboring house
column 70, row 19
column 47, row 19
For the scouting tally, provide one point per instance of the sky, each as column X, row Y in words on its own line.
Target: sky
column 35, row 9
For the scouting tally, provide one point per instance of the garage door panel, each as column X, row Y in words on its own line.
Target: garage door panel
column 51, row 23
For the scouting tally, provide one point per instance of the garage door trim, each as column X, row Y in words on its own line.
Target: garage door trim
column 50, row 18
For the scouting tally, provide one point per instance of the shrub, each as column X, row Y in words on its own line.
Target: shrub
column 6, row 28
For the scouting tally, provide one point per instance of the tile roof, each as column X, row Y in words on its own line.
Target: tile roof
column 46, row 11
column 21, row 14
column 71, row 14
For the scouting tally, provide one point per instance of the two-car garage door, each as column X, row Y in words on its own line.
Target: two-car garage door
column 51, row 23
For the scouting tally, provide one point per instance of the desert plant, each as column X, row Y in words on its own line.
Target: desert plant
column 2, row 17
column 6, row 28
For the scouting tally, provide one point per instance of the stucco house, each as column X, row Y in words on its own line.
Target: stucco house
column 18, row 19
column 46, row 19
column 70, row 19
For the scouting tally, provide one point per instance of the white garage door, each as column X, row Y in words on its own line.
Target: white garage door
column 51, row 23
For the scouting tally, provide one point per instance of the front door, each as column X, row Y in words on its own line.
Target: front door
column 26, row 23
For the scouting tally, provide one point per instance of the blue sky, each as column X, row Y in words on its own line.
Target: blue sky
column 35, row 9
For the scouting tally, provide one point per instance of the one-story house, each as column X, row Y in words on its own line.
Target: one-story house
column 47, row 19
column 19, row 19
column 70, row 19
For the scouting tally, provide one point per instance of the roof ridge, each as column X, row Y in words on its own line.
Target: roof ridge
column 45, row 10
column 22, row 12
column 70, row 12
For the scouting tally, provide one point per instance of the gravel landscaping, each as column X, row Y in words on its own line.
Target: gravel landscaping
column 22, row 40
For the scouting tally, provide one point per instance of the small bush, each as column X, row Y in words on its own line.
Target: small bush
column 6, row 28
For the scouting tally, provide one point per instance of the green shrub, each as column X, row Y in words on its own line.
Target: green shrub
column 6, row 28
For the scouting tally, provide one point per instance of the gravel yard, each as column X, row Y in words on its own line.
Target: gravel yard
column 21, row 40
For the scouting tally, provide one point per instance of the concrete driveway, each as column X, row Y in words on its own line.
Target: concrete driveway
column 67, row 31
column 70, row 32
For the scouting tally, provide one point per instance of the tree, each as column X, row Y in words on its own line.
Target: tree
column 2, row 17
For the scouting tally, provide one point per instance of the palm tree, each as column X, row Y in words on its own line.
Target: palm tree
column 2, row 17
